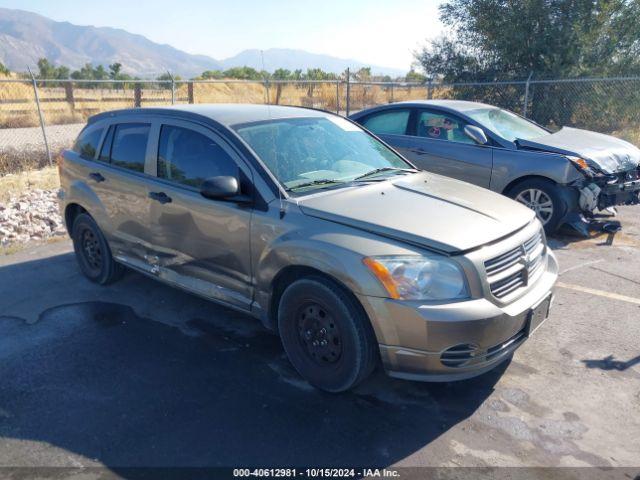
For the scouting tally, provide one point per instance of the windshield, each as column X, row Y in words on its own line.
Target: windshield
column 506, row 124
column 315, row 152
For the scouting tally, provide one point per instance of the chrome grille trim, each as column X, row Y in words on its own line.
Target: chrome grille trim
column 515, row 269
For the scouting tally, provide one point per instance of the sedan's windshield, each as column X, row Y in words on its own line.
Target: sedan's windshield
column 506, row 124
column 317, row 152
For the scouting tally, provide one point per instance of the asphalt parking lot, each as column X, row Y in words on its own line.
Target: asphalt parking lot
column 139, row 374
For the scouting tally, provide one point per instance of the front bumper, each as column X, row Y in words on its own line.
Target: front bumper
column 623, row 193
column 416, row 339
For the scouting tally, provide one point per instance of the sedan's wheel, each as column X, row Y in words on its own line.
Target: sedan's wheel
column 326, row 334
column 539, row 202
column 92, row 251
column 544, row 198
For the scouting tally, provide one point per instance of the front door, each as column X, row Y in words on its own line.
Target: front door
column 441, row 146
column 201, row 244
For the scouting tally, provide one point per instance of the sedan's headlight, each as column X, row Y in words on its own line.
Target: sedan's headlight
column 418, row 277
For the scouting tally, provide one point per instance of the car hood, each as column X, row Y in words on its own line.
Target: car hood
column 608, row 153
column 424, row 209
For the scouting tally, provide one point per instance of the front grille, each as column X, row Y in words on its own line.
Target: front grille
column 516, row 268
column 465, row 355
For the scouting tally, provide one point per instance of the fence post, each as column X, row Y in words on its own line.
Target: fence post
column 526, row 96
column 137, row 95
column 44, row 131
column 173, row 91
column 190, row 92
column 348, row 93
column 429, row 92
column 337, row 97
column 392, row 93
column 68, row 92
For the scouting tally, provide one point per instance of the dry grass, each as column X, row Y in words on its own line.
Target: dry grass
column 18, row 108
column 14, row 184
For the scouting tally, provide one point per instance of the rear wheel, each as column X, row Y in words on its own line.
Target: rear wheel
column 92, row 251
column 326, row 334
column 543, row 197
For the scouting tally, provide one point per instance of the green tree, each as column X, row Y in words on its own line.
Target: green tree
column 114, row 71
column 497, row 39
column 211, row 75
column 507, row 39
column 415, row 77
column 243, row 73
column 4, row 70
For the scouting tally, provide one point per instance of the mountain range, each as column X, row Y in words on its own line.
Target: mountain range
column 25, row 37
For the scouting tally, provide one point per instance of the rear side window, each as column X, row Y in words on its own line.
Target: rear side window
column 87, row 143
column 130, row 146
column 390, row 123
column 105, row 151
column 188, row 157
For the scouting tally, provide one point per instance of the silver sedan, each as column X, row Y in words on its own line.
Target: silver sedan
column 565, row 177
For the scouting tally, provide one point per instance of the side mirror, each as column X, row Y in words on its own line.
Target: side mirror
column 221, row 187
column 476, row 134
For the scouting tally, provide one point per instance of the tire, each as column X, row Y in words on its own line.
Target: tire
column 350, row 351
column 92, row 251
column 547, row 193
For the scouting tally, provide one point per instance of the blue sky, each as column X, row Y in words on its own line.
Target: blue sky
column 377, row 32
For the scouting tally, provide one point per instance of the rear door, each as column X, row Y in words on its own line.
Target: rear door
column 118, row 177
column 438, row 144
column 199, row 243
column 391, row 125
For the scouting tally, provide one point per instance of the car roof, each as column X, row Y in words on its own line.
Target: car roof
column 227, row 114
column 453, row 105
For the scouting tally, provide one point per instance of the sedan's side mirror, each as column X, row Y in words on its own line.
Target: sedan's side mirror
column 221, row 187
column 476, row 134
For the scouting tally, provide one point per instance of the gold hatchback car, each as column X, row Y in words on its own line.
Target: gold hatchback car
column 317, row 228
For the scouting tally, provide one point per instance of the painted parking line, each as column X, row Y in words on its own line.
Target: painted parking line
column 600, row 293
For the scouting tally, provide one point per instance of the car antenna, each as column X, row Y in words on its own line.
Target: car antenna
column 273, row 140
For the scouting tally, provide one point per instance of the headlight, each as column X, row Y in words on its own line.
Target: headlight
column 418, row 277
column 581, row 164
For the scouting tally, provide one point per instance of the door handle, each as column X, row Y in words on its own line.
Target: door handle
column 97, row 176
column 160, row 197
column 419, row 150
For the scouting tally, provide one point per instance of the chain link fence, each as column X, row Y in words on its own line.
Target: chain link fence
column 38, row 118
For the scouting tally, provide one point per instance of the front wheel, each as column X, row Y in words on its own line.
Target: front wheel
column 326, row 334
column 543, row 197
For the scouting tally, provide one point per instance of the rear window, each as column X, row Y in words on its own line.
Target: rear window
column 130, row 146
column 389, row 123
column 87, row 143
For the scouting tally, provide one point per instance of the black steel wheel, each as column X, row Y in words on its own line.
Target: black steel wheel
column 92, row 251
column 326, row 334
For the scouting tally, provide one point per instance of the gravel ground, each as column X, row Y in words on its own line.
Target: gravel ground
column 30, row 216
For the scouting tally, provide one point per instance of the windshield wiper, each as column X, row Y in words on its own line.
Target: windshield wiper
column 322, row 181
column 384, row 169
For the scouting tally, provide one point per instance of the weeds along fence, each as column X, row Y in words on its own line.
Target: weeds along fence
column 38, row 118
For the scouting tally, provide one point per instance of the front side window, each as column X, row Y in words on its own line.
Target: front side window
column 389, row 123
column 87, row 143
column 189, row 158
column 506, row 124
column 311, row 151
column 130, row 146
column 442, row 126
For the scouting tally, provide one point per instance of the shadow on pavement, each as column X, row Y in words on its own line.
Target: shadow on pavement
column 96, row 379
column 608, row 363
